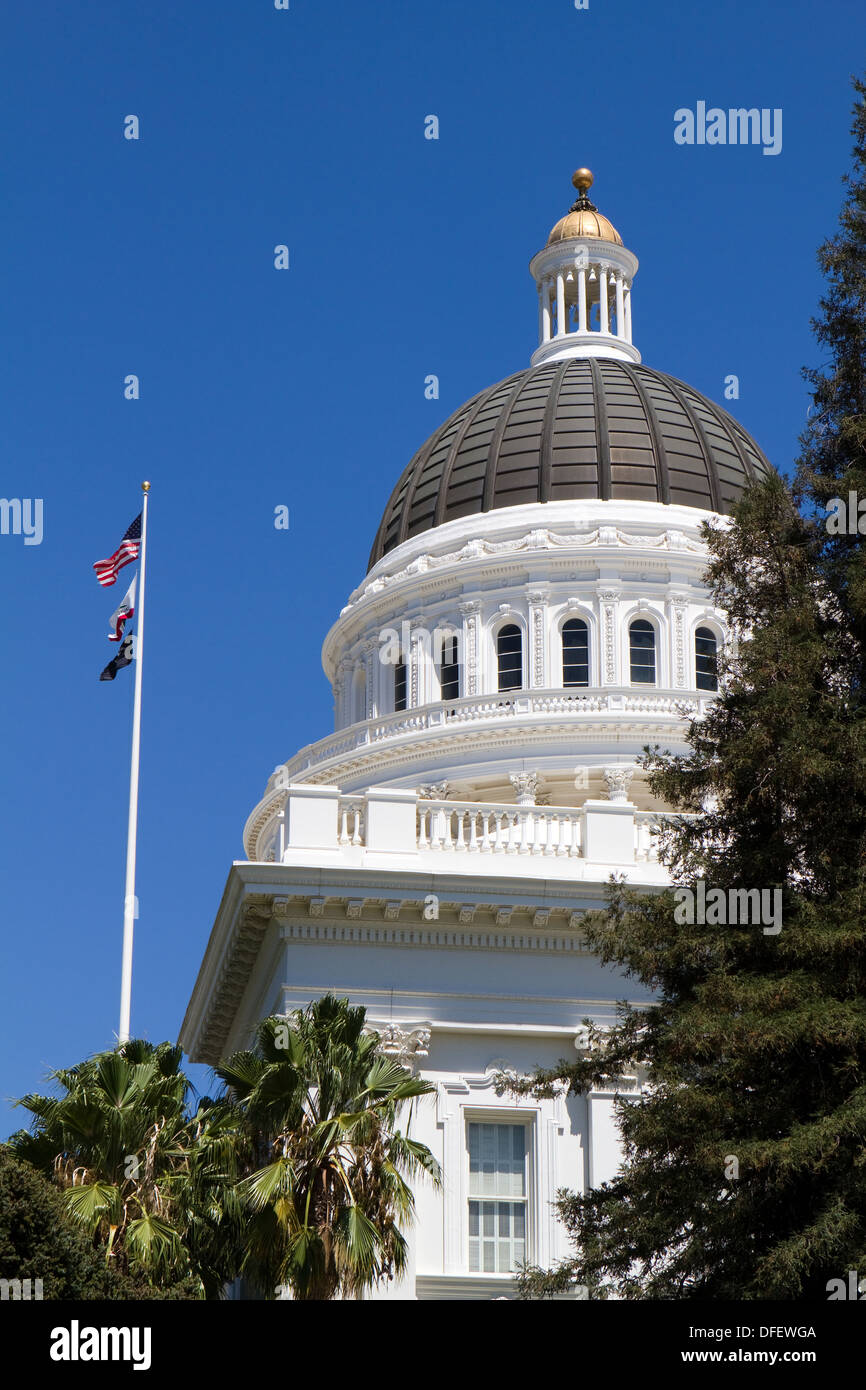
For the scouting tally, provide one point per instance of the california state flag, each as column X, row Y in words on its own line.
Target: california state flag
column 123, row 613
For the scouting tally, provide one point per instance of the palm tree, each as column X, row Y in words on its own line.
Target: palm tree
column 148, row 1182
column 328, row 1190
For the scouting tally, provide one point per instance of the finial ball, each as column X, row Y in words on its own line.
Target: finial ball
column 145, row 487
column 582, row 179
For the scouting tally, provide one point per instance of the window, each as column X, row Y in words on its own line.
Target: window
column 359, row 695
column 509, row 651
column 706, row 670
column 400, row 685
column 449, row 670
column 575, row 652
column 642, row 652
column 497, row 1197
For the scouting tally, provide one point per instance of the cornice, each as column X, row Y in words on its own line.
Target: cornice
column 535, row 539
column 521, row 923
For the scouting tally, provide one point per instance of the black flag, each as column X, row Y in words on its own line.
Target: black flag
column 123, row 658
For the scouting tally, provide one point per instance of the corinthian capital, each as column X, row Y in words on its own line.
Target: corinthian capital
column 618, row 780
column 525, row 785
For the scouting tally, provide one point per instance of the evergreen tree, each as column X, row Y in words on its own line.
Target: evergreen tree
column 744, row 1171
column 833, row 459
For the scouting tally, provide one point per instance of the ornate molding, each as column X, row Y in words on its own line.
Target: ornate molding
column 632, row 1082
column 525, row 786
column 406, row 1043
column 538, row 599
column 618, row 780
column 433, row 791
column 471, row 614
column 608, row 599
column 603, row 537
column 552, row 941
column 679, row 603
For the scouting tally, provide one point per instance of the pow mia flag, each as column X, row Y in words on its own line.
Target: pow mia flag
column 124, row 657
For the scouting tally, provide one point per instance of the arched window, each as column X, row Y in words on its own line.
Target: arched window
column 575, row 652
column 509, row 652
column 400, row 685
column 642, row 652
column 449, row 670
column 706, row 659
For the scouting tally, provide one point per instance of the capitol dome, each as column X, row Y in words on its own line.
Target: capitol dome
column 536, row 612
column 573, row 429
column 535, row 604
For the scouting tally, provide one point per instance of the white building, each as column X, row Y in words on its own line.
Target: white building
column 533, row 615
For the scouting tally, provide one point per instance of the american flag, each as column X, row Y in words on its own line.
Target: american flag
column 126, row 552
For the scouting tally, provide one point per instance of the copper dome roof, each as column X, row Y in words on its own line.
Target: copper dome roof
column 579, row 428
column 583, row 221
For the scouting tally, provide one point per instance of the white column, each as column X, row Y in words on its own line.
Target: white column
column 581, row 301
column 628, row 313
column 537, row 600
column 470, row 611
column 419, row 663
column 620, row 310
column 540, row 316
column 545, row 311
column 371, row 663
column 677, row 604
column 560, row 303
column 608, row 604
column 603, row 317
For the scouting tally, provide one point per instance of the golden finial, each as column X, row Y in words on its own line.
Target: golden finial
column 582, row 180
column 145, row 487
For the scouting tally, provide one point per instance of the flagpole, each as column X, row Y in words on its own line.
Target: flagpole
column 129, row 901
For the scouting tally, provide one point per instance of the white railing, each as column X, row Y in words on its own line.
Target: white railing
column 345, row 822
column 646, row 828
column 351, row 821
column 645, row 841
column 465, row 827
column 616, row 703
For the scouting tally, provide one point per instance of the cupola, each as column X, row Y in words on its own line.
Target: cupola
column 584, row 277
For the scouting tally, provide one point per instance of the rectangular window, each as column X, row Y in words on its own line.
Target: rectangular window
column 449, row 671
column 642, row 652
column 575, row 653
column 400, row 685
column 497, row 1197
column 509, row 650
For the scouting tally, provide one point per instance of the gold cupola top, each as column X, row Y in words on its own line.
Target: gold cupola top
column 583, row 220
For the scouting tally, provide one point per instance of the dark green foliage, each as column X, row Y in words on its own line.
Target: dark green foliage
column 745, row 1158
column 151, row 1184
column 833, row 459
column 38, row 1241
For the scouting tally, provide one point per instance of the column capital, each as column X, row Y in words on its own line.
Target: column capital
column 538, row 593
column 525, row 785
column 434, row 791
column 618, row 780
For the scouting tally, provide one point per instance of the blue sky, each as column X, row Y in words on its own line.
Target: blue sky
column 305, row 388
